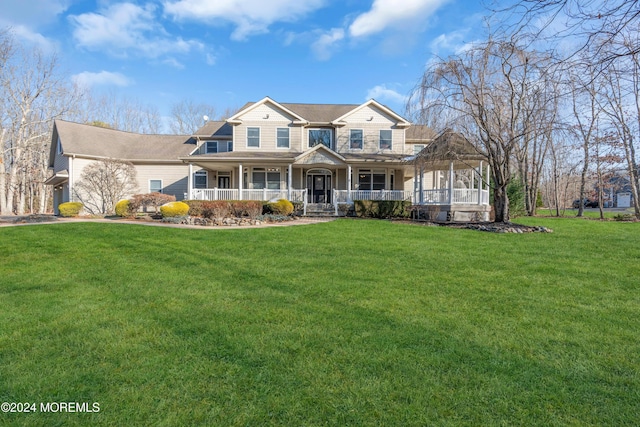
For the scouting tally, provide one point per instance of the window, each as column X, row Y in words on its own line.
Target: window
column 355, row 139
column 59, row 148
column 417, row 148
column 253, row 137
column 320, row 136
column 371, row 180
column 266, row 178
column 200, row 179
column 282, row 136
column 155, row 186
column 218, row 147
column 385, row 139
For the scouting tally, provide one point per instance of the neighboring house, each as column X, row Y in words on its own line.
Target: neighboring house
column 321, row 155
column 155, row 157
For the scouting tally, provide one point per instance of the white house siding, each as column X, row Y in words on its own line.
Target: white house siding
column 370, row 121
column 173, row 176
column 268, row 119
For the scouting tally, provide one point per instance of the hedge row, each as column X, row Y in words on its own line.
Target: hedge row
column 382, row 208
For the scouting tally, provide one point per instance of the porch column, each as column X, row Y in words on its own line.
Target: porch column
column 349, row 182
column 240, row 183
column 190, row 183
column 289, row 181
column 421, row 185
column 480, row 183
column 451, row 183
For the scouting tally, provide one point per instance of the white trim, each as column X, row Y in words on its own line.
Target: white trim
column 402, row 122
column 331, row 132
column 206, row 178
column 380, row 139
column 161, row 185
column 361, row 139
column 259, row 137
column 288, row 138
column 235, row 118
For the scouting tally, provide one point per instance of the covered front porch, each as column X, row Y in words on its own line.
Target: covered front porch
column 451, row 181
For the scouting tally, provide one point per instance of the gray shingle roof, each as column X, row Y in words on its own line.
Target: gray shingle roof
column 218, row 129
column 419, row 133
column 93, row 141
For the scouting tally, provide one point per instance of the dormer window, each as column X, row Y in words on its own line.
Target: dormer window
column 59, row 147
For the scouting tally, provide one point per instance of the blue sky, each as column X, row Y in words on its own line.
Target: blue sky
column 228, row 52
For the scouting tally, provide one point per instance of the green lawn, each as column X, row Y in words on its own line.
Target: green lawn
column 351, row 322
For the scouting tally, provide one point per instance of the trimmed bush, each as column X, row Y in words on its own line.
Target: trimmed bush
column 70, row 209
column 123, row 208
column 248, row 208
column 195, row 207
column 215, row 209
column 382, row 208
column 281, row 207
column 174, row 209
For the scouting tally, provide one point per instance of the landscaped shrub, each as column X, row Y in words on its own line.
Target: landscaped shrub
column 153, row 199
column 123, row 208
column 195, row 206
column 281, row 207
column 382, row 208
column 174, row 209
column 70, row 209
column 216, row 209
column 248, row 208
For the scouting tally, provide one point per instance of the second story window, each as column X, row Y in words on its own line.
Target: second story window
column 217, row 147
column 253, row 137
column 282, row 137
column 385, row 139
column 355, row 139
column 320, row 136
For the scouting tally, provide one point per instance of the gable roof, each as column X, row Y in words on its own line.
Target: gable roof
column 318, row 113
column 100, row 143
column 449, row 146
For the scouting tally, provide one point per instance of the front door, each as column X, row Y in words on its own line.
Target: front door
column 319, row 188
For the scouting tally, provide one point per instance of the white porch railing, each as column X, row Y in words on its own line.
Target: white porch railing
column 234, row 194
column 461, row 196
column 346, row 196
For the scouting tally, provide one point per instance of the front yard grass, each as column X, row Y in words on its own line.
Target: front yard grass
column 352, row 322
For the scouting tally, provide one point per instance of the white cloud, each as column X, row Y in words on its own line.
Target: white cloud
column 249, row 16
column 174, row 63
column 324, row 46
column 383, row 94
column 33, row 38
column 126, row 27
column 392, row 14
column 103, row 78
column 32, row 13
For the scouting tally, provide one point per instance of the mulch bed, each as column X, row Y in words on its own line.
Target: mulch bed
column 493, row 227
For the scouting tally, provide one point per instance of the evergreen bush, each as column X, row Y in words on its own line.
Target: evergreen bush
column 174, row 209
column 70, row 209
column 382, row 208
column 123, row 208
column 281, row 207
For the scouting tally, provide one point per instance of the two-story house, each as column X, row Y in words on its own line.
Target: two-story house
column 317, row 154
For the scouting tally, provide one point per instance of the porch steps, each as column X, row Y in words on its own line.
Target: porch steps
column 320, row 210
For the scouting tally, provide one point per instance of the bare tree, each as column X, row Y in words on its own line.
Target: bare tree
column 188, row 116
column 591, row 22
column 621, row 104
column 487, row 93
column 103, row 183
column 33, row 93
column 118, row 112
